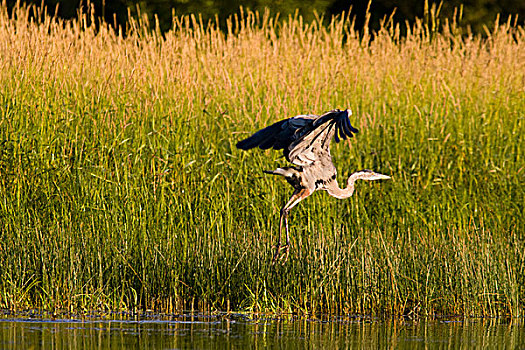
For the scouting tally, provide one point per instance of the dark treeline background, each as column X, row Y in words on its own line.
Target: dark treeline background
column 476, row 13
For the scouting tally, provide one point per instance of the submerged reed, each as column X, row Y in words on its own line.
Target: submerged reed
column 121, row 188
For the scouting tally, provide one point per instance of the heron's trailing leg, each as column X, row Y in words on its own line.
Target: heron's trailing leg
column 297, row 196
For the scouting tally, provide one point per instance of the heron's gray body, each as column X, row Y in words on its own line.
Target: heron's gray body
column 320, row 175
column 305, row 141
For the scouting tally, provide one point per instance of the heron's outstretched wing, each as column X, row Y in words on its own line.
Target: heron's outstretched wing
column 304, row 138
column 315, row 144
column 278, row 135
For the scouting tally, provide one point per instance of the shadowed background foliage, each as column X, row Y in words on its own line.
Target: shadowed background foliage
column 476, row 13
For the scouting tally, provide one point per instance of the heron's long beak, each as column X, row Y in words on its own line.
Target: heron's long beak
column 383, row 177
column 377, row 176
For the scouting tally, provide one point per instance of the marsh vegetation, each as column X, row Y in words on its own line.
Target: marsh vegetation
column 121, row 187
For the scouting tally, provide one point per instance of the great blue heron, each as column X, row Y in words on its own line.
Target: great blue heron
column 305, row 141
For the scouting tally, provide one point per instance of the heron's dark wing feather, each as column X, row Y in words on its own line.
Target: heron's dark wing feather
column 263, row 138
column 278, row 135
column 341, row 130
column 349, row 129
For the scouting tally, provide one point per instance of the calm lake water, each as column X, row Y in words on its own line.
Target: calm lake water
column 245, row 332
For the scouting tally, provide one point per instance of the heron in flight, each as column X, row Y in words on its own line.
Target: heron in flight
column 305, row 141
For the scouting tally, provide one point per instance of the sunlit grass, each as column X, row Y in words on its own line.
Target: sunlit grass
column 121, row 187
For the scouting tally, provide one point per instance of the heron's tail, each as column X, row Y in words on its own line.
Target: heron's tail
column 272, row 172
column 286, row 172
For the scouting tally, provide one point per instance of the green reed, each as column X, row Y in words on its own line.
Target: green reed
column 121, row 187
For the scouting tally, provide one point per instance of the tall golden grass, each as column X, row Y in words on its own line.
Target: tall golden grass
column 121, row 188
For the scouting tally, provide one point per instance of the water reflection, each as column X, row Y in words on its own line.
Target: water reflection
column 239, row 331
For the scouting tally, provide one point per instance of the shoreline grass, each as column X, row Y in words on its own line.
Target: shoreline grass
column 121, row 188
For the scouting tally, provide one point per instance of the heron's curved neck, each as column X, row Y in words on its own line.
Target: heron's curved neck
column 342, row 193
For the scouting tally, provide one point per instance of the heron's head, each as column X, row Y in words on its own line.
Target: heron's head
column 368, row 175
